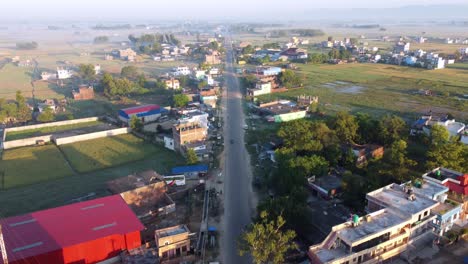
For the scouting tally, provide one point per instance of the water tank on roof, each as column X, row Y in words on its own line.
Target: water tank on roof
column 355, row 219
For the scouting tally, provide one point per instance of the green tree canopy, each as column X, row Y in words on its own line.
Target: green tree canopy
column 289, row 79
column 47, row 115
column 266, row 240
column 86, row 71
column 191, row 157
column 135, row 123
column 439, row 135
column 129, row 72
column 180, row 100
column 392, row 128
column 346, row 127
column 452, row 154
column 23, row 112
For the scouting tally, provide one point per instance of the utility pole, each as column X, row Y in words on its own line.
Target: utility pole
column 3, row 248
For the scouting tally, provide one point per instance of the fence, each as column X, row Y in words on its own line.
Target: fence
column 84, row 137
column 52, row 124
column 26, row 142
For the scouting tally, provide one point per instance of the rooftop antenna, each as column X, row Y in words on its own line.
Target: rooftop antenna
column 3, row 248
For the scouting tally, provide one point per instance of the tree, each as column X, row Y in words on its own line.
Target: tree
column 368, row 128
column 399, row 162
column 129, row 72
column 309, row 165
column 27, row 45
column 266, row 241
column 391, row 129
column 317, row 58
column 86, row 71
column 141, row 80
column 439, row 135
column 297, row 136
column 334, row 54
column 101, row 39
column 191, row 157
column 202, row 84
column 180, row 100
column 289, row 79
column 23, row 113
column 353, row 41
column 248, row 50
column 452, row 154
column 47, row 115
column 135, row 123
column 345, row 127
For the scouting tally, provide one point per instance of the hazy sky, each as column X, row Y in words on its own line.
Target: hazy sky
column 181, row 9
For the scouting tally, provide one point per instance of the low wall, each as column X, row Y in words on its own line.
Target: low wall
column 52, row 124
column 100, row 134
column 25, row 142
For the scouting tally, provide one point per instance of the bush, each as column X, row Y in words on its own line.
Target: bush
column 26, row 45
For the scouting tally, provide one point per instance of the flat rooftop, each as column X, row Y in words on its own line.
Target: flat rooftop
column 326, row 255
column 444, row 174
column 394, row 196
column 384, row 220
column 172, row 231
column 429, row 189
column 280, row 107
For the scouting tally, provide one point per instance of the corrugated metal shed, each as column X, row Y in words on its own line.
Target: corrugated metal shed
column 140, row 111
column 189, row 169
column 87, row 231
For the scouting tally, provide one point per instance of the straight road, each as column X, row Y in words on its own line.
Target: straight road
column 237, row 173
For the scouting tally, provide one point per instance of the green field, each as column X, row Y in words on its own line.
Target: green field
column 47, row 130
column 462, row 66
column 30, row 165
column 381, row 89
column 101, row 153
column 12, row 79
column 42, row 179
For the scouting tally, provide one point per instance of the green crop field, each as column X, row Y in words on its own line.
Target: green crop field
column 28, row 165
column 380, row 89
column 52, row 193
column 47, row 130
column 106, row 152
column 14, row 79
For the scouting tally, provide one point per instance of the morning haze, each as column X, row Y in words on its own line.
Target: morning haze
column 242, row 131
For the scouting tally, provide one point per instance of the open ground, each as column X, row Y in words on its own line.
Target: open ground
column 382, row 89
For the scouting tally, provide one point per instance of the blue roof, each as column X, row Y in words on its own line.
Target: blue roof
column 191, row 168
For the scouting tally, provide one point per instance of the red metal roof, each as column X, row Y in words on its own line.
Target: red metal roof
column 49, row 230
column 140, row 109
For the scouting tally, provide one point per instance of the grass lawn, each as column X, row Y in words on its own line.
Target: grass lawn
column 463, row 66
column 14, row 79
column 61, row 191
column 380, row 89
column 106, row 152
column 28, row 165
column 47, row 130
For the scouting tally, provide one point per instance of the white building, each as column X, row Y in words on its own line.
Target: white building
column 260, row 89
column 63, row 73
column 97, row 69
column 183, row 70
column 169, row 142
column 436, row 63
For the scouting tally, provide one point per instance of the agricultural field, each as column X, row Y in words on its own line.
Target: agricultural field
column 49, row 130
column 14, row 79
column 382, row 89
column 101, row 153
column 28, row 165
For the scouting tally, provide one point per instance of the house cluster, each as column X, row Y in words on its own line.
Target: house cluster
column 281, row 111
column 397, row 216
column 290, row 52
column 171, row 52
column 455, row 129
column 455, row 41
column 266, row 81
column 139, row 219
column 403, row 55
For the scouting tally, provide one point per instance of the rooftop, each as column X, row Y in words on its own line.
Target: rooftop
column 394, row 196
column 430, row 190
column 191, row 168
column 443, row 173
column 171, row 231
column 379, row 221
column 140, row 109
column 280, row 107
column 49, row 230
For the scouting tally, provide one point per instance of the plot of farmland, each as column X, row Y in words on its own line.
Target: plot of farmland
column 106, row 152
column 50, row 130
column 30, row 165
column 14, row 79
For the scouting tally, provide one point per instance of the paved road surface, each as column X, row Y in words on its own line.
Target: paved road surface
column 237, row 174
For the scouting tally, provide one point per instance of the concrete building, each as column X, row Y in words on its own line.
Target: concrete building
column 127, row 54
column 172, row 241
column 84, row 92
column 146, row 113
column 397, row 216
column 457, row 183
column 182, row 70
column 213, row 58
column 188, row 132
column 63, row 73
column 401, row 47
column 172, row 84
column 85, row 232
column 282, row 111
column 268, row 71
column 260, row 89
column 45, row 76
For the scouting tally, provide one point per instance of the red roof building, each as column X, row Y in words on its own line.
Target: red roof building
column 455, row 181
column 85, row 232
